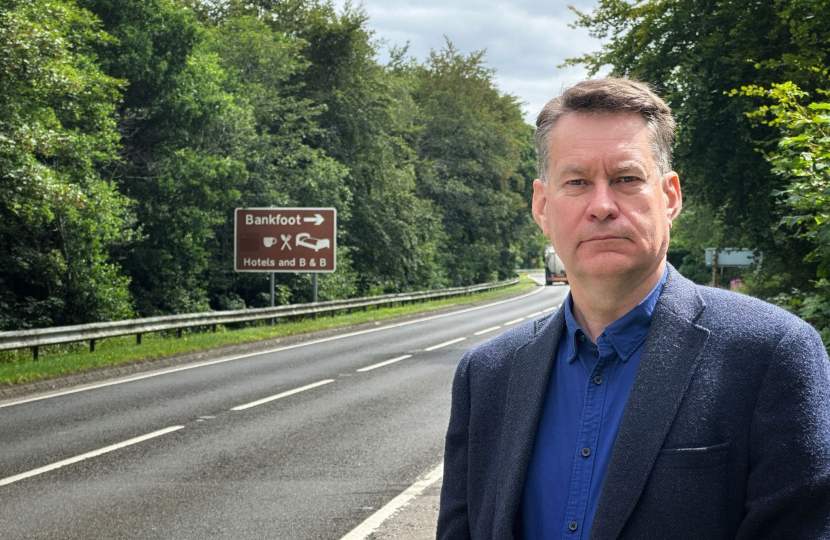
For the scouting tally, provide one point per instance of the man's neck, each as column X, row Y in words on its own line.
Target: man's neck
column 598, row 303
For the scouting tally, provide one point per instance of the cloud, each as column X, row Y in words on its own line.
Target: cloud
column 524, row 40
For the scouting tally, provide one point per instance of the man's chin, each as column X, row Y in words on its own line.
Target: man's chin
column 607, row 266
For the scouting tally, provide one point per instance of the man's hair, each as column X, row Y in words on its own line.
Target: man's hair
column 608, row 96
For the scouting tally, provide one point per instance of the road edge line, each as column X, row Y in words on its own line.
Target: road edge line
column 373, row 522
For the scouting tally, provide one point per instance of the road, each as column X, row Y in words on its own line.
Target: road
column 300, row 443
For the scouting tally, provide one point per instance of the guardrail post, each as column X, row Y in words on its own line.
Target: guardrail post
column 138, row 339
column 213, row 328
column 179, row 332
column 91, row 345
column 35, row 353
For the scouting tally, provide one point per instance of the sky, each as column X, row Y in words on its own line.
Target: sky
column 524, row 40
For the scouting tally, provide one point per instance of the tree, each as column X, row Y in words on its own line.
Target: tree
column 58, row 217
column 696, row 51
column 476, row 165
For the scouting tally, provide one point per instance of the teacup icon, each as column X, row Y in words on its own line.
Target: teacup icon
column 269, row 241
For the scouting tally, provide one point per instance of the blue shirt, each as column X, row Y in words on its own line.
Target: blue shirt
column 587, row 392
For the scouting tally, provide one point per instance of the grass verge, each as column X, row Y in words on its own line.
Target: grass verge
column 17, row 367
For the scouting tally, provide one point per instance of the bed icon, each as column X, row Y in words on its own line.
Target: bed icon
column 305, row 240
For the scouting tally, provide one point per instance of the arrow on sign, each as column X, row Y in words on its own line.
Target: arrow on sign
column 317, row 219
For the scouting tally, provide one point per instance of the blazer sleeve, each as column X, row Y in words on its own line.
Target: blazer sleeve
column 788, row 489
column 453, row 520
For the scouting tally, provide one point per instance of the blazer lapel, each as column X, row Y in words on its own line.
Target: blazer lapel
column 670, row 357
column 526, row 391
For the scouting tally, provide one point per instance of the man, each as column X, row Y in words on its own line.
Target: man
column 647, row 407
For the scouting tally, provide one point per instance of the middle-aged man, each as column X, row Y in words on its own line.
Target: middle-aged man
column 647, row 407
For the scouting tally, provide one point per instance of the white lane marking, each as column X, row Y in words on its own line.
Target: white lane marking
column 371, row 524
column 514, row 321
column 282, row 395
column 486, row 330
column 94, row 453
column 243, row 356
column 385, row 363
column 536, row 314
column 450, row 342
column 550, row 309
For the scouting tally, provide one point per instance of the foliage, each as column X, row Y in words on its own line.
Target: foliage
column 472, row 143
column 802, row 159
column 131, row 129
column 58, row 217
column 696, row 51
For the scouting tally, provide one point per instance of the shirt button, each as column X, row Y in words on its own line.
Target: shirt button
column 582, row 338
column 573, row 525
column 586, row 452
column 598, row 379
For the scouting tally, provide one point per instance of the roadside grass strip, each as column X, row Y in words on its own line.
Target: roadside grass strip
column 94, row 453
column 282, row 395
column 17, row 367
column 450, row 342
column 222, row 360
column 371, row 524
column 384, row 363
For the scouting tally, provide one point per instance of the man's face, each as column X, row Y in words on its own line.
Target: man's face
column 605, row 206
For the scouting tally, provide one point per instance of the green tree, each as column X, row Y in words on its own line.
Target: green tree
column 58, row 217
column 696, row 51
column 476, row 164
column 802, row 159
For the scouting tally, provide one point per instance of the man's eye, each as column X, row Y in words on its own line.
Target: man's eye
column 575, row 182
column 626, row 179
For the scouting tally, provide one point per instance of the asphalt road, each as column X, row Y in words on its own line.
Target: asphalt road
column 204, row 453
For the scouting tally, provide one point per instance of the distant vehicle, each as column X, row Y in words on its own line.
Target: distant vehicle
column 305, row 240
column 554, row 269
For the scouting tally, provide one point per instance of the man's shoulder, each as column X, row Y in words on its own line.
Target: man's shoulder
column 745, row 317
column 501, row 348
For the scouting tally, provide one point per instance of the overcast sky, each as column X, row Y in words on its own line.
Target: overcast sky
column 524, row 39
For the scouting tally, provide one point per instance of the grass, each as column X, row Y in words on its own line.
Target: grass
column 17, row 367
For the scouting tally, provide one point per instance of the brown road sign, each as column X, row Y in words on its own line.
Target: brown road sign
column 285, row 239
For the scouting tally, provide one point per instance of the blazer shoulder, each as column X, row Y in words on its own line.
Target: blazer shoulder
column 747, row 318
column 502, row 348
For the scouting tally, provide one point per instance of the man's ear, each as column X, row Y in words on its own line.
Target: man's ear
column 674, row 198
column 539, row 204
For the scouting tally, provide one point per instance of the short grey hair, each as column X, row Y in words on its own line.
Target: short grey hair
column 608, row 96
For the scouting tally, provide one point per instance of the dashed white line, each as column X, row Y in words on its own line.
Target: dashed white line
column 371, row 524
column 550, row 309
column 536, row 314
column 385, row 363
column 282, row 395
column 450, row 342
column 94, row 453
column 486, row 330
column 514, row 321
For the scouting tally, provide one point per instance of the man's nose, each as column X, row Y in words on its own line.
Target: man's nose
column 602, row 204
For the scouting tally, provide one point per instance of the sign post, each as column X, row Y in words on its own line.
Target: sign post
column 298, row 240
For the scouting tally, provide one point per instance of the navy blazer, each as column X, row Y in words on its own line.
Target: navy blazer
column 725, row 435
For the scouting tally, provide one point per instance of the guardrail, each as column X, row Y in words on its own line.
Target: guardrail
column 22, row 339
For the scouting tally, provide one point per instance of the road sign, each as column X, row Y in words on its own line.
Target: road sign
column 285, row 240
column 732, row 257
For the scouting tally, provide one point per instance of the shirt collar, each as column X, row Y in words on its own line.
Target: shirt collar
column 626, row 334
